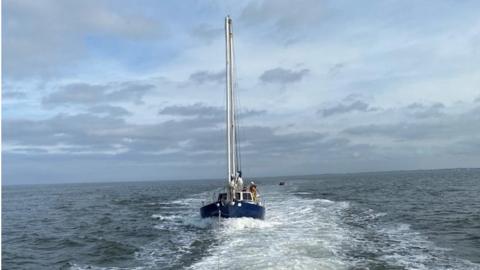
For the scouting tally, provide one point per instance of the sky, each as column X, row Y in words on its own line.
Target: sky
column 101, row 90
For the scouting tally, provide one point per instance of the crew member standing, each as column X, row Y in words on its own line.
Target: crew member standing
column 253, row 190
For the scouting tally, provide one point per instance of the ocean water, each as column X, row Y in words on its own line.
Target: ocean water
column 394, row 220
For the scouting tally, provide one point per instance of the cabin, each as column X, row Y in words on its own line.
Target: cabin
column 239, row 196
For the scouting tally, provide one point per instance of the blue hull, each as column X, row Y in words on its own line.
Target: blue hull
column 239, row 209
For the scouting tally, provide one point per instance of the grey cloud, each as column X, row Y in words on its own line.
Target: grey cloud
column 425, row 111
column 77, row 93
column 207, row 33
column 264, row 140
column 97, row 133
column 353, row 97
column 470, row 146
column 251, row 113
column 13, row 94
column 446, row 128
column 82, row 129
column 283, row 76
column 301, row 152
column 180, row 144
column 403, row 131
column 282, row 13
column 192, row 110
column 336, row 69
column 280, row 20
column 132, row 91
column 203, row 76
column 114, row 111
column 203, row 110
column 184, row 144
column 342, row 108
column 85, row 94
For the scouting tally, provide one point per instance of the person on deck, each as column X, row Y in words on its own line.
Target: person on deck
column 253, row 190
column 239, row 179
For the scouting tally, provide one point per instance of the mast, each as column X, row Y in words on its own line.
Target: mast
column 231, row 155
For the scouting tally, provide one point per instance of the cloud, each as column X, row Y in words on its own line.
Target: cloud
column 201, row 110
column 282, row 20
column 469, row 147
column 45, row 38
column 207, row 33
column 105, row 137
column 13, row 95
column 92, row 143
column 251, row 113
column 201, row 77
column 114, row 111
column 266, row 142
column 404, row 131
column 336, row 69
column 197, row 109
column 81, row 129
column 283, row 76
column 114, row 123
column 198, row 138
column 106, row 133
column 434, row 129
column 86, row 94
column 358, row 106
column 419, row 110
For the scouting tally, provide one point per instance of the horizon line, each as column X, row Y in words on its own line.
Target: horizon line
column 252, row 177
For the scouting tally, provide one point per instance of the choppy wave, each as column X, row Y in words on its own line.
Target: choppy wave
column 298, row 233
column 305, row 228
